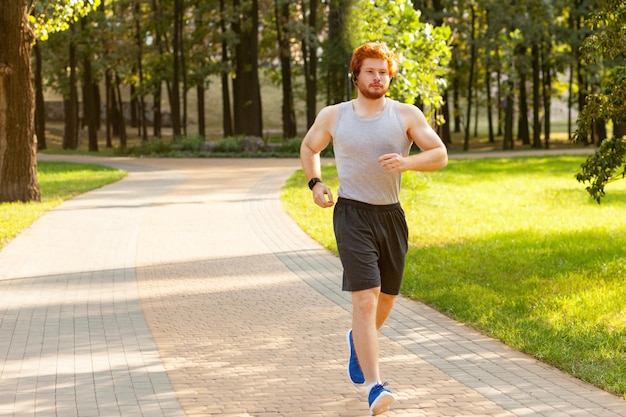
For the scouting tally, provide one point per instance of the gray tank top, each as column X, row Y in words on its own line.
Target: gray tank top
column 358, row 143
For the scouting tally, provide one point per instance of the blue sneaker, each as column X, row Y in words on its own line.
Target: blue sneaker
column 354, row 368
column 379, row 399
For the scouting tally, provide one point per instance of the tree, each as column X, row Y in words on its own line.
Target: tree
column 337, row 51
column 40, row 111
column 472, row 70
column 309, row 57
column 422, row 49
column 227, row 122
column 70, row 100
column 18, row 142
column 177, row 53
column 606, row 44
column 246, row 84
column 281, row 11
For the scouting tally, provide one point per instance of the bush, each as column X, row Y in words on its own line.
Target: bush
column 152, row 147
column 188, row 143
column 231, row 146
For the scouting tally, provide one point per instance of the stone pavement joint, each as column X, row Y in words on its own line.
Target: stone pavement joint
column 186, row 290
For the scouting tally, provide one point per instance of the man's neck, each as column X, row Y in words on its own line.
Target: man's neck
column 367, row 108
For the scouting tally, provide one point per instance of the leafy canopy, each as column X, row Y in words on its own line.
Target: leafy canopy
column 50, row 16
column 422, row 48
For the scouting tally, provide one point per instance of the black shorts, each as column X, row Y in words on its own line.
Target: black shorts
column 372, row 241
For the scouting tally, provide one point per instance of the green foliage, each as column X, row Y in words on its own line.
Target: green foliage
column 178, row 147
column 603, row 167
column 188, row 143
column 231, row 146
column 512, row 248
column 422, row 48
column 50, row 16
column 152, row 147
column 606, row 45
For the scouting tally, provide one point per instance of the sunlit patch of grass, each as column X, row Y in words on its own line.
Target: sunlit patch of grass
column 516, row 249
column 58, row 181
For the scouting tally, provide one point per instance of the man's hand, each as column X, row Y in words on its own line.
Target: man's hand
column 392, row 162
column 322, row 196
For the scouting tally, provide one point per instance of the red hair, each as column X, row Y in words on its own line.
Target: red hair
column 376, row 50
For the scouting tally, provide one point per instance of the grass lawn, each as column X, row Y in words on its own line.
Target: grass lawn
column 58, row 181
column 516, row 249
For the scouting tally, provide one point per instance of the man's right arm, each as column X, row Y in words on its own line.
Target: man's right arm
column 315, row 141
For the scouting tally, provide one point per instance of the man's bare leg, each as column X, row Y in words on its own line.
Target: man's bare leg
column 365, row 333
column 370, row 309
column 385, row 304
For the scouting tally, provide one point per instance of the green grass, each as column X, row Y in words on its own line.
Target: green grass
column 57, row 182
column 516, row 249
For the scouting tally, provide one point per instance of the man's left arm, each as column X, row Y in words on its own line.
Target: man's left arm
column 433, row 155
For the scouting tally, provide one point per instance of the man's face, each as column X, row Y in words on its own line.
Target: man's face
column 373, row 80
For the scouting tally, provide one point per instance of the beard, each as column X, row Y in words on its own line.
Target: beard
column 372, row 94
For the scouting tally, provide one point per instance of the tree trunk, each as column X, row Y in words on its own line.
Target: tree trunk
column 547, row 94
column 110, row 106
column 18, row 144
column 500, row 97
column 175, row 93
column 582, row 91
column 246, row 85
column 227, row 119
column 457, row 103
column 536, row 98
column 201, row 110
column 523, row 133
column 183, row 70
column 508, row 142
column 489, row 103
column 158, row 87
column 143, row 125
column 281, row 9
column 444, row 111
column 309, row 51
column 337, row 53
column 476, row 111
column 470, row 81
column 70, row 137
column 121, row 119
column 40, row 105
column 156, row 112
column 89, row 105
column 570, row 100
column 599, row 131
column 134, row 107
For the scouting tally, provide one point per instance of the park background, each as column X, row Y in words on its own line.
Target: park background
column 166, row 78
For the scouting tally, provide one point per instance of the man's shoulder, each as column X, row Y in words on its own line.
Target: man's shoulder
column 333, row 108
column 409, row 110
column 330, row 112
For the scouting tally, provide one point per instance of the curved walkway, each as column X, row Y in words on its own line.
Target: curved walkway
column 186, row 290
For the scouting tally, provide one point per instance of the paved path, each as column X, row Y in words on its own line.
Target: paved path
column 186, row 290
